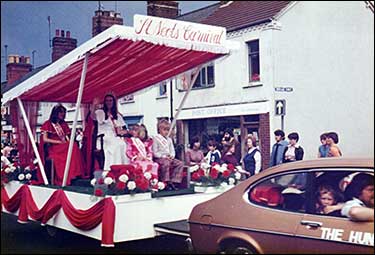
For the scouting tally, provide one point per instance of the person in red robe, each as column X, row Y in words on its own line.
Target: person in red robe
column 56, row 133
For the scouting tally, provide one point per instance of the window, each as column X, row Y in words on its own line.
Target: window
column 162, row 92
column 132, row 120
column 254, row 67
column 285, row 192
column 205, row 77
column 127, row 99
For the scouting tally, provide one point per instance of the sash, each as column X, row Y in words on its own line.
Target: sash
column 140, row 146
column 59, row 131
column 163, row 141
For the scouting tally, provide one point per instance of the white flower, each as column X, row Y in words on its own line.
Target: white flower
column 28, row 176
column 147, row 175
column 193, row 168
column 237, row 175
column 217, row 167
column 35, row 161
column 123, row 178
column 104, row 174
column 93, row 182
column 131, row 185
column 231, row 181
column 161, row 185
column 12, row 168
column 21, row 177
column 154, row 182
column 223, row 168
column 224, row 165
column 108, row 180
column 224, row 184
column 7, row 170
column 27, row 168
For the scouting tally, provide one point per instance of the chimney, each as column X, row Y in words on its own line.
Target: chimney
column 17, row 67
column 62, row 45
column 105, row 19
column 164, row 9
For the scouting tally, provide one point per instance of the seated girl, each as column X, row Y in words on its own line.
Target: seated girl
column 194, row 156
column 139, row 150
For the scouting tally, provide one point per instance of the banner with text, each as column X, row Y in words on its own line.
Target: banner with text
column 178, row 30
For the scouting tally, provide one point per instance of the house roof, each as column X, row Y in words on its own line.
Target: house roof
column 236, row 14
column 23, row 78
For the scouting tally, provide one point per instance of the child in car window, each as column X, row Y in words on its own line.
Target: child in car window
column 327, row 200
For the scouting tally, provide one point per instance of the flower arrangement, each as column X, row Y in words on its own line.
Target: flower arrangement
column 216, row 174
column 125, row 179
column 15, row 172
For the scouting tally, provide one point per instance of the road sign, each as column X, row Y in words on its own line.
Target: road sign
column 284, row 89
column 280, row 107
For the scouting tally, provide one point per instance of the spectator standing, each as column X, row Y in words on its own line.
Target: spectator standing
column 324, row 147
column 229, row 139
column 252, row 160
column 332, row 141
column 293, row 152
column 229, row 155
column 278, row 148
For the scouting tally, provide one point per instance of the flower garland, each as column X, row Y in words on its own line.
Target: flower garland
column 216, row 174
column 125, row 179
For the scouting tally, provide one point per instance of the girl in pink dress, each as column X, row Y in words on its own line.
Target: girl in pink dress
column 139, row 150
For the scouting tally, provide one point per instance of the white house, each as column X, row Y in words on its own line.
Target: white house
column 316, row 57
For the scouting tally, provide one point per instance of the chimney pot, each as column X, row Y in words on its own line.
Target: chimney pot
column 22, row 59
column 67, row 34
column 62, row 33
column 57, row 32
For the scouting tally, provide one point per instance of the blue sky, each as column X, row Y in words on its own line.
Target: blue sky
column 24, row 24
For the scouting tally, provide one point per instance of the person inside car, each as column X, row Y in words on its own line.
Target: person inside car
column 360, row 191
column 328, row 201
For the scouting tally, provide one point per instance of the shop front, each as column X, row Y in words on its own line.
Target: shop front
column 210, row 123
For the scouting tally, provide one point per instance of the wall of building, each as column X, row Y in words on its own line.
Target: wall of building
column 325, row 52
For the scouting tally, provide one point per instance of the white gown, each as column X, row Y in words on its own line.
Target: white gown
column 114, row 147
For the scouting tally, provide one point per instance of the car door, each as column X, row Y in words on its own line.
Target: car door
column 321, row 233
column 276, row 209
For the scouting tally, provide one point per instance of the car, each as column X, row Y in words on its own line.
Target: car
column 275, row 211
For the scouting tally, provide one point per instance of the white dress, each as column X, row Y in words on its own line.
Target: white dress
column 114, row 147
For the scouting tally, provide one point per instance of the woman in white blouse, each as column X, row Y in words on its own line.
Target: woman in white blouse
column 111, row 123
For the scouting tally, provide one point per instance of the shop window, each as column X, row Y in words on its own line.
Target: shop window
column 132, row 120
column 254, row 66
column 205, row 77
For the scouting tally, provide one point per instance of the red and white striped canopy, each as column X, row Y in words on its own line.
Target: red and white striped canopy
column 119, row 61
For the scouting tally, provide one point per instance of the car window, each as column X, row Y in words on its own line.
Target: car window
column 284, row 192
column 327, row 196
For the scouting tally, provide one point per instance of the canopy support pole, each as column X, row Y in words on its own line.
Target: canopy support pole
column 184, row 99
column 30, row 133
column 78, row 106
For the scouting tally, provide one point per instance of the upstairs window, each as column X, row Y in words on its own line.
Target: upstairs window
column 205, row 77
column 162, row 89
column 254, row 67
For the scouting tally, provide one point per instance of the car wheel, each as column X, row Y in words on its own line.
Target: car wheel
column 240, row 250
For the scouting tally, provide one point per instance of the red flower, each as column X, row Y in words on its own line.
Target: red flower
column 99, row 192
column 200, row 172
column 214, row 163
column 195, row 176
column 142, row 183
column 214, row 173
column 120, row 185
column 226, row 173
column 101, row 181
column 231, row 167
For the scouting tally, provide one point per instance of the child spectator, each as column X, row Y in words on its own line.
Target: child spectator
column 213, row 154
column 328, row 200
column 164, row 154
